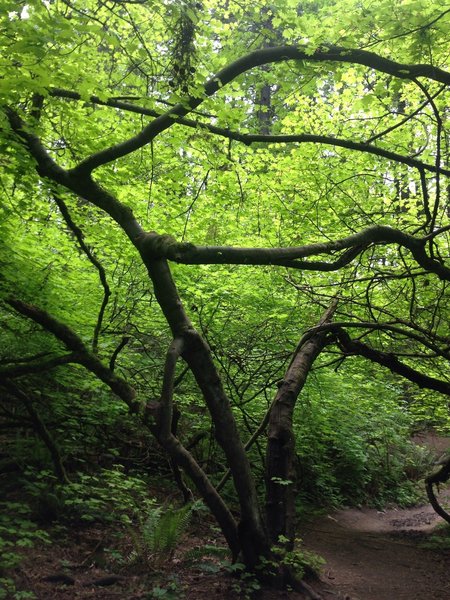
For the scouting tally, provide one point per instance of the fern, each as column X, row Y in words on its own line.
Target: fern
column 160, row 533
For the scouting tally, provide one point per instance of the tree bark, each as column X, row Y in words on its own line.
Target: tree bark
column 441, row 476
column 389, row 360
column 280, row 468
column 196, row 353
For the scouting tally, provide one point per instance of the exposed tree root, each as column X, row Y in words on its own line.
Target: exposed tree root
column 441, row 476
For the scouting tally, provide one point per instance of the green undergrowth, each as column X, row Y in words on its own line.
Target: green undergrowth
column 158, row 533
column 352, row 450
column 18, row 530
column 138, row 530
column 107, row 496
column 439, row 540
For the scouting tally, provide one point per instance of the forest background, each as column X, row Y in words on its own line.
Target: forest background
column 224, row 259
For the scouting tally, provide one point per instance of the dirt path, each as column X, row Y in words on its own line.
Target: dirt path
column 379, row 555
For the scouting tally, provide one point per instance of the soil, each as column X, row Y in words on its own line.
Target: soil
column 370, row 555
column 381, row 555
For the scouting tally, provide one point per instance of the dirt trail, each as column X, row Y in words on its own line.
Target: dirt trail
column 379, row 555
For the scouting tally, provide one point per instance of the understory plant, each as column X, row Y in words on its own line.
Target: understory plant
column 159, row 533
column 109, row 495
column 353, row 443
column 17, row 530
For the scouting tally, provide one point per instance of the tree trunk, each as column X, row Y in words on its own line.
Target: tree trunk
column 280, row 470
column 196, row 353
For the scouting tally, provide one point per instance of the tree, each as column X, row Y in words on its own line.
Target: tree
column 116, row 133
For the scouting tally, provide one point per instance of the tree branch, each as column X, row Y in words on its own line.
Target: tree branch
column 158, row 416
column 39, row 427
column 83, row 186
column 163, row 246
column 248, row 139
column 246, row 63
column 338, row 325
column 28, row 369
column 164, row 421
column 390, row 361
column 79, row 236
column 74, row 343
column 112, row 361
column 280, row 457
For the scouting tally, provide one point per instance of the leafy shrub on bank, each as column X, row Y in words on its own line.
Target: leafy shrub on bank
column 353, row 442
column 110, row 495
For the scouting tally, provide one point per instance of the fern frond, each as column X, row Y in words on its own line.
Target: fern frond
column 159, row 533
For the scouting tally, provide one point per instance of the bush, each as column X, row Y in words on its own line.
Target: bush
column 108, row 496
column 353, row 443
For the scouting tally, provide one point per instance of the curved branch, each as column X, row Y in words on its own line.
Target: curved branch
column 338, row 325
column 79, row 235
column 349, row 144
column 441, row 476
column 156, row 246
column 74, row 343
column 112, row 361
column 390, row 361
column 246, row 63
column 439, row 128
column 248, row 138
column 84, row 186
column 280, row 502
column 28, row 369
column 437, row 232
column 158, row 416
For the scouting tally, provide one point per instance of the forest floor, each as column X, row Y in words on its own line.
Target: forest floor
column 381, row 555
column 391, row 554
